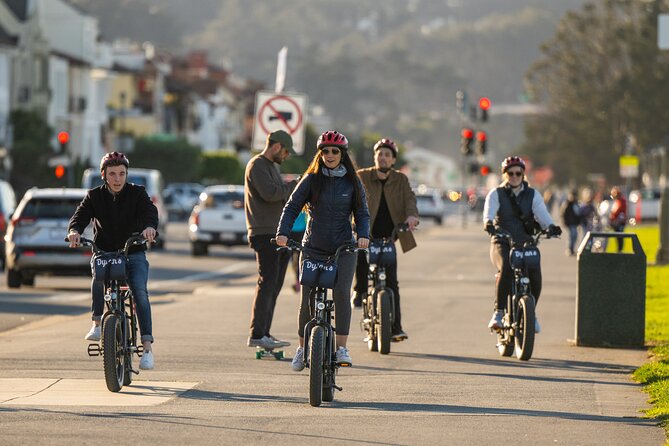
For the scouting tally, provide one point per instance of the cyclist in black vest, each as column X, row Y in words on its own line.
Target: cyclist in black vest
column 516, row 208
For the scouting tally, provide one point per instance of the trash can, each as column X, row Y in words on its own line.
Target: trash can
column 611, row 293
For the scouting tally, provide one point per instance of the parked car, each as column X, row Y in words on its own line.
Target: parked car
column 180, row 198
column 218, row 219
column 7, row 205
column 35, row 237
column 430, row 204
column 648, row 202
column 152, row 180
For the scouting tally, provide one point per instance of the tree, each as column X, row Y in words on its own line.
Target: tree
column 601, row 79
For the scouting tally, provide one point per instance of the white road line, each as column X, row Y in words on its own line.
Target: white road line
column 153, row 285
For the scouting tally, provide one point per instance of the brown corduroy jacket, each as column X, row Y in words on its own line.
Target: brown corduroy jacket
column 400, row 199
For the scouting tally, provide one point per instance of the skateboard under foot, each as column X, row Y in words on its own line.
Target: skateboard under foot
column 268, row 353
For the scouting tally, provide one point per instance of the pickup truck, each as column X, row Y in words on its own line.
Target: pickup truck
column 217, row 219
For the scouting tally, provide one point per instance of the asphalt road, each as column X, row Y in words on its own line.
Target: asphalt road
column 445, row 385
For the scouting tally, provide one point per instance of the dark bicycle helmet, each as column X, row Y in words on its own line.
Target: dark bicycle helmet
column 113, row 159
column 332, row 138
column 385, row 142
column 512, row 161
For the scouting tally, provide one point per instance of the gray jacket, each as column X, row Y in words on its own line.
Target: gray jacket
column 265, row 194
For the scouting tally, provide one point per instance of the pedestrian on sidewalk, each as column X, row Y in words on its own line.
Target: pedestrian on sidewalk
column 618, row 215
column 571, row 217
column 265, row 194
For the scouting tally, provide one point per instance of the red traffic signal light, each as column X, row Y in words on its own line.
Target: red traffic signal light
column 484, row 103
column 59, row 171
column 481, row 142
column 63, row 137
column 484, row 170
column 466, row 141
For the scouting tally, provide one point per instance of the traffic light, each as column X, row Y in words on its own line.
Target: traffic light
column 481, row 142
column 63, row 139
column 466, row 141
column 484, row 170
column 59, row 171
column 484, row 105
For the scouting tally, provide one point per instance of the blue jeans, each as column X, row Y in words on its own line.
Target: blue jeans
column 138, row 276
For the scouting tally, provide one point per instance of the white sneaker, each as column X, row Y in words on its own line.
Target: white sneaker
column 94, row 334
column 146, row 363
column 343, row 357
column 298, row 360
column 537, row 327
column 496, row 320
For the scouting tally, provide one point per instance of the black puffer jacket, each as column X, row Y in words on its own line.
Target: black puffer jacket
column 329, row 222
column 115, row 217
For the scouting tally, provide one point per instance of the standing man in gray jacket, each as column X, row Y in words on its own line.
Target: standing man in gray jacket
column 265, row 194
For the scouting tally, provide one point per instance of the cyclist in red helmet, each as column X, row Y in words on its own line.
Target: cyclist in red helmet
column 331, row 192
column 391, row 202
column 118, row 209
column 516, row 208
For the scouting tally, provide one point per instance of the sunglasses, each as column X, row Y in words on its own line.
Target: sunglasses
column 517, row 173
column 334, row 151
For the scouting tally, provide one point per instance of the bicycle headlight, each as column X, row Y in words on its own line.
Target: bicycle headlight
column 320, row 305
column 525, row 280
column 382, row 276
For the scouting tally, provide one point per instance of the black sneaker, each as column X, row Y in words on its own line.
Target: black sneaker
column 399, row 336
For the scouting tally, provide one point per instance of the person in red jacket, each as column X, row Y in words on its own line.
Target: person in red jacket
column 618, row 215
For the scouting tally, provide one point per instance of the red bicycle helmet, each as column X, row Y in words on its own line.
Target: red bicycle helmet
column 385, row 142
column 512, row 161
column 113, row 159
column 332, row 138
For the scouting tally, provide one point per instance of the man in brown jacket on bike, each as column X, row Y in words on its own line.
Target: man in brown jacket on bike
column 391, row 202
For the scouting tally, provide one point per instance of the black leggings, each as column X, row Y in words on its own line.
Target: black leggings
column 499, row 255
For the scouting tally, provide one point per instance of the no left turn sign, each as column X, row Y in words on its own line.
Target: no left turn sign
column 279, row 111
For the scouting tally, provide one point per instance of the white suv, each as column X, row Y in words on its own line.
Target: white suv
column 35, row 237
column 218, row 219
column 152, row 180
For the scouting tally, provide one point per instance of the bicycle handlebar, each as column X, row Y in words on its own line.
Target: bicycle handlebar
column 134, row 240
column 293, row 245
column 535, row 238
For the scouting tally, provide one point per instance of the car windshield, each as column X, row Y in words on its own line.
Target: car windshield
column 425, row 199
column 57, row 208
column 225, row 199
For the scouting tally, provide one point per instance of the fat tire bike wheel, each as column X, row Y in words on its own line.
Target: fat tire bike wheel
column 524, row 338
column 316, row 353
column 385, row 317
column 113, row 353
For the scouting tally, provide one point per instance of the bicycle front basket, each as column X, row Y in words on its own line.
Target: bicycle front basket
column 382, row 252
column 318, row 273
column 108, row 266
